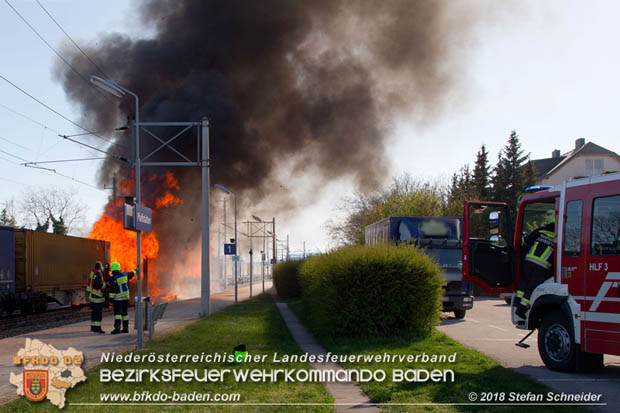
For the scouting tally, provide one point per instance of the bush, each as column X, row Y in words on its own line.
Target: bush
column 286, row 279
column 371, row 291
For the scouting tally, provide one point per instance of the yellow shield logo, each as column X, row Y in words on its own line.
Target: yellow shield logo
column 35, row 384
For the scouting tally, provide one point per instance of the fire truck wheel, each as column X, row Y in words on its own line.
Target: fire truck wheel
column 459, row 314
column 556, row 344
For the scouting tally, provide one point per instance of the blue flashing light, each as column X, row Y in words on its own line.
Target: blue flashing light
column 537, row 188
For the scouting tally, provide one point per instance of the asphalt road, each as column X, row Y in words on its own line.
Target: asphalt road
column 487, row 328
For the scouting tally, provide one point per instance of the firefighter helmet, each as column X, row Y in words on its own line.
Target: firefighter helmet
column 115, row 266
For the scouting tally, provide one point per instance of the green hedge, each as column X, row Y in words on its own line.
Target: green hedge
column 371, row 291
column 286, row 279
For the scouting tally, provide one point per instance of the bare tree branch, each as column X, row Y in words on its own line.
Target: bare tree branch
column 60, row 206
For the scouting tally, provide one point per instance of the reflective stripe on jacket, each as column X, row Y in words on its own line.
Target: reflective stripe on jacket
column 120, row 285
column 541, row 252
column 95, row 294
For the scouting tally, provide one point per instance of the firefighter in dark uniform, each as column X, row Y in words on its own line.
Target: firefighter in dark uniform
column 538, row 265
column 119, row 293
column 96, row 297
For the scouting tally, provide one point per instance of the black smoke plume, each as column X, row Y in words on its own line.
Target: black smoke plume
column 313, row 86
column 318, row 82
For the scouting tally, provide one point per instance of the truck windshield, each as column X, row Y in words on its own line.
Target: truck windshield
column 415, row 229
column 440, row 238
column 449, row 259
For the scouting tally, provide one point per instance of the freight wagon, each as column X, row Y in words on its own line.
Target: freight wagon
column 38, row 268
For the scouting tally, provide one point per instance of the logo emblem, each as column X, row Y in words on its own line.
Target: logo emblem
column 35, row 384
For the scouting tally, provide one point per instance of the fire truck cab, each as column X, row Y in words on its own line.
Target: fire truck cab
column 577, row 309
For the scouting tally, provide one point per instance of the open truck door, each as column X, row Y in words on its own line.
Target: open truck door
column 488, row 246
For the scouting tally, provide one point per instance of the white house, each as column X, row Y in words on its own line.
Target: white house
column 587, row 159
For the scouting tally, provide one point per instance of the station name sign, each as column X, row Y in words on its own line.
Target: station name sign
column 137, row 218
column 144, row 219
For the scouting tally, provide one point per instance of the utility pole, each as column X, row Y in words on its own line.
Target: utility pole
column 267, row 255
column 120, row 92
column 236, row 250
column 224, row 260
column 205, row 279
column 304, row 253
column 250, row 227
column 288, row 251
column 275, row 254
column 139, row 305
column 114, row 189
column 262, row 255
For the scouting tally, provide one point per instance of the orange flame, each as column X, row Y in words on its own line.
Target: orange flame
column 171, row 181
column 123, row 242
column 167, row 200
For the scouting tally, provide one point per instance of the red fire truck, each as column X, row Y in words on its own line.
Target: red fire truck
column 577, row 310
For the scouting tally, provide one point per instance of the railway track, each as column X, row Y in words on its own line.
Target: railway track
column 16, row 325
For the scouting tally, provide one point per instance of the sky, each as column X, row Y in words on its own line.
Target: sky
column 545, row 68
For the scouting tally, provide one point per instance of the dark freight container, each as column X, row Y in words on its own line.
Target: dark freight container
column 7, row 260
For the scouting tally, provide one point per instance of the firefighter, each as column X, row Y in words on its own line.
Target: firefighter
column 96, row 297
column 538, row 265
column 119, row 293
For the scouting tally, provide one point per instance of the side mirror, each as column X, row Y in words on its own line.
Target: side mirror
column 494, row 223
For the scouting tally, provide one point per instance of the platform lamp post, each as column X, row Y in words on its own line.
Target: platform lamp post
column 262, row 253
column 228, row 191
column 120, row 92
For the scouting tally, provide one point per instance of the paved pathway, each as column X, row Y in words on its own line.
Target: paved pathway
column 487, row 328
column 348, row 397
column 78, row 335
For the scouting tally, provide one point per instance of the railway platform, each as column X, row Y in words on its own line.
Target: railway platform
column 178, row 314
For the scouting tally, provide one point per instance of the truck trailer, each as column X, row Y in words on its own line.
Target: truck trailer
column 38, row 268
column 577, row 309
column 440, row 237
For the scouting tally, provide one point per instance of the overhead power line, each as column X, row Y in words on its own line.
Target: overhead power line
column 76, row 180
column 14, row 156
column 27, row 118
column 111, row 155
column 65, row 160
column 122, row 128
column 8, row 160
column 73, row 41
column 14, row 143
column 56, row 112
column 55, row 51
column 58, row 133
column 11, row 180
column 47, row 169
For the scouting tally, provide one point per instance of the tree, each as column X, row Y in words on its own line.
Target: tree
column 406, row 196
column 59, row 206
column 509, row 180
column 462, row 188
column 500, row 180
column 530, row 174
column 58, row 225
column 7, row 215
column 481, row 178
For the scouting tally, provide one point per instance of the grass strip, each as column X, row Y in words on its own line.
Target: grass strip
column 256, row 323
column 474, row 372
